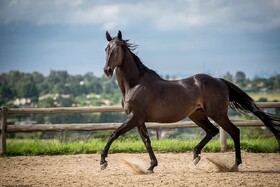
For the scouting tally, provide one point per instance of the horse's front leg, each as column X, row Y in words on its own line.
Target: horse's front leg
column 125, row 127
column 147, row 142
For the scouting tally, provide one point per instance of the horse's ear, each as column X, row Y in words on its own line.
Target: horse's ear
column 120, row 35
column 108, row 37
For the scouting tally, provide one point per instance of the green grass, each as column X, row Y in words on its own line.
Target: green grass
column 54, row 147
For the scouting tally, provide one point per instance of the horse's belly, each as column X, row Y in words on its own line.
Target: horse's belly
column 169, row 114
column 164, row 119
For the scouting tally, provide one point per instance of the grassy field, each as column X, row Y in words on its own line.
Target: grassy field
column 16, row 147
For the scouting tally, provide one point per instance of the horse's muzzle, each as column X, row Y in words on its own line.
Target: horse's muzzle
column 108, row 71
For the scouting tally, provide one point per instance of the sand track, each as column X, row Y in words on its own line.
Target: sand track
column 258, row 169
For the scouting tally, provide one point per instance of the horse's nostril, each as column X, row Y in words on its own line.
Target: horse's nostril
column 108, row 71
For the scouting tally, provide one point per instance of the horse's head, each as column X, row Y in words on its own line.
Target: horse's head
column 114, row 53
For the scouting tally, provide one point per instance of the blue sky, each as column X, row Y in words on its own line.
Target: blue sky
column 179, row 37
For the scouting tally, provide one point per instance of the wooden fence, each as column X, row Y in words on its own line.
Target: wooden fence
column 5, row 113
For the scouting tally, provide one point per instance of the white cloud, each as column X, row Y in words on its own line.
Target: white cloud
column 163, row 15
column 105, row 15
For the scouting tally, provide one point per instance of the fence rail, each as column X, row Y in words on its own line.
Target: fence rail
column 73, row 110
column 7, row 112
column 113, row 126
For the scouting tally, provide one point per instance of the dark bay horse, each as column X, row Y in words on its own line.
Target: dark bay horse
column 146, row 97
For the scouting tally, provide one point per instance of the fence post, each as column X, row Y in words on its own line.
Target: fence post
column 3, row 127
column 223, row 140
column 157, row 133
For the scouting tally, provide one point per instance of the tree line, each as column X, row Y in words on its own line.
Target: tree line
column 58, row 85
column 256, row 84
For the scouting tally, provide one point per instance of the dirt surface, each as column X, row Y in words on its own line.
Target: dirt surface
column 258, row 169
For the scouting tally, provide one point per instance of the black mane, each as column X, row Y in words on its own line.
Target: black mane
column 141, row 67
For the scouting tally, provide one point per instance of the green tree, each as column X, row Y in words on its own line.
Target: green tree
column 27, row 89
column 273, row 83
column 6, row 94
column 240, row 79
column 65, row 102
column 38, row 78
column 228, row 76
column 48, row 102
column 57, row 81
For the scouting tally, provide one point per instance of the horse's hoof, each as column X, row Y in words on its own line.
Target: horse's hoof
column 196, row 160
column 234, row 168
column 104, row 165
column 150, row 171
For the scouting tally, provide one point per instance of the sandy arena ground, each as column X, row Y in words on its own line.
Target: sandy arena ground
column 258, row 169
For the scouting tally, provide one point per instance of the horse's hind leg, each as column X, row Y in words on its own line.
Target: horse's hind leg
column 200, row 118
column 147, row 142
column 234, row 132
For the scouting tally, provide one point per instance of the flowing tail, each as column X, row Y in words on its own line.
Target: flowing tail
column 242, row 102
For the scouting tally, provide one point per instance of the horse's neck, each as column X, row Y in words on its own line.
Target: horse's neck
column 128, row 74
